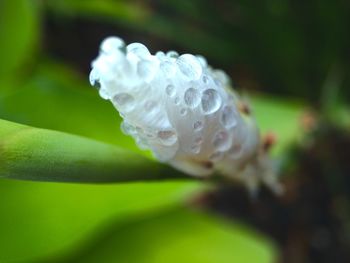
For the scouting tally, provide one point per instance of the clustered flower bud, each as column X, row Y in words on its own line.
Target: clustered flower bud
column 181, row 109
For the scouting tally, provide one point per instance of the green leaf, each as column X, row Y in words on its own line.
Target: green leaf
column 19, row 30
column 29, row 153
column 178, row 235
column 124, row 10
column 279, row 116
column 43, row 219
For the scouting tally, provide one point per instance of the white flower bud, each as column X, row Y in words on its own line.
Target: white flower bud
column 181, row 109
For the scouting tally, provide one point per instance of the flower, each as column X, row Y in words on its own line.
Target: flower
column 183, row 110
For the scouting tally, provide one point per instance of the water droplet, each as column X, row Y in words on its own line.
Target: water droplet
column 168, row 68
column 221, row 141
column 142, row 143
column 228, row 117
column 192, row 98
column 198, row 140
column 235, row 151
column 170, row 90
column 211, row 101
column 167, row 137
column 150, row 105
column 177, row 101
column 139, row 130
column 138, row 49
column 189, row 66
column 160, row 54
column 127, row 128
column 96, row 83
column 195, row 148
column 205, row 79
column 198, row 125
column 104, row 94
column 124, row 101
column 202, row 61
column 218, row 83
column 222, row 77
column 146, row 70
column 216, row 156
column 111, row 44
column 150, row 135
column 172, row 54
column 94, row 79
column 183, row 111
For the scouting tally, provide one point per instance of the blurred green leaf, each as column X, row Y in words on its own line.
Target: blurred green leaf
column 42, row 219
column 19, row 31
column 57, row 98
column 125, row 11
column 279, row 116
column 178, row 235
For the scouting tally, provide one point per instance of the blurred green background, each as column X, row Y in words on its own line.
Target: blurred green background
column 284, row 55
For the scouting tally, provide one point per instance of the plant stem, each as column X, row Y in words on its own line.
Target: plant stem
column 29, row 153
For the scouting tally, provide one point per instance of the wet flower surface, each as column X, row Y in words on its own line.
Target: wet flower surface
column 181, row 109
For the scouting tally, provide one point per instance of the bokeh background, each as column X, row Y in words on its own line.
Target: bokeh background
column 290, row 59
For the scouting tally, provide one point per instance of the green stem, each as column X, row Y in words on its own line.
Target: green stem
column 29, row 153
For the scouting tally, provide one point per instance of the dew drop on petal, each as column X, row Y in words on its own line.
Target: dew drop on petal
column 104, row 94
column 177, row 101
column 150, row 135
column 222, row 77
column 124, row 101
column 192, row 98
column 150, row 105
column 216, row 156
column 218, row 82
column 189, row 66
column 228, row 117
column 142, row 143
column 202, row 60
column 168, row 68
column 211, row 101
column 167, row 137
column 205, row 79
column 198, row 125
column 235, row 151
column 138, row 49
column 172, row 54
column 139, row 130
column 170, row 90
column 127, row 128
column 195, row 148
column 183, row 111
column 198, row 140
column 221, row 141
column 111, row 44
column 146, row 70
column 160, row 55
column 94, row 79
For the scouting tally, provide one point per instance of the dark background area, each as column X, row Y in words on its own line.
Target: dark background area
column 283, row 47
